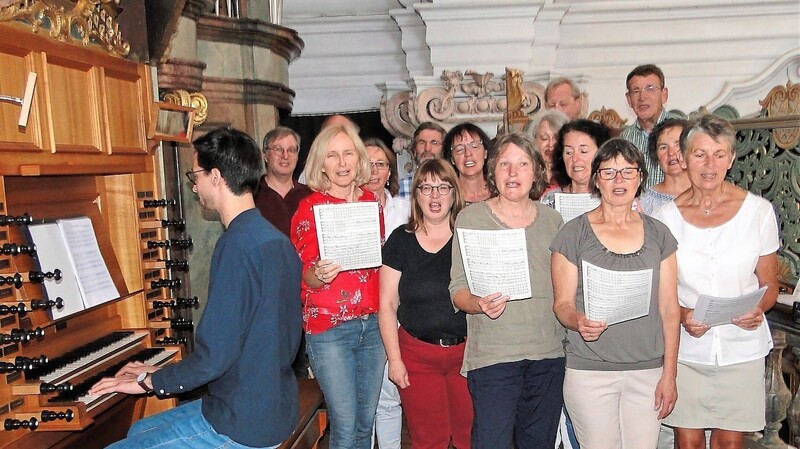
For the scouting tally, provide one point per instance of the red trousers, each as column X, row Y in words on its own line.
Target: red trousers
column 437, row 405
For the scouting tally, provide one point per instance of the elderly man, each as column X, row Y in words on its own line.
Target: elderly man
column 646, row 95
column 278, row 194
column 426, row 144
column 250, row 329
column 562, row 94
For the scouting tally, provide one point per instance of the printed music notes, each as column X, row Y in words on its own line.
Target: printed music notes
column 349, row 234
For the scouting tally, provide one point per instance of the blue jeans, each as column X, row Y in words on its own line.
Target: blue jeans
column 182, row 427
column 517, row 400
column 348, row 363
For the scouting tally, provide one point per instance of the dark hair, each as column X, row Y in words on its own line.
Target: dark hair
column 526, row 144
column 279, row 133
column 645, row 70
column 394, row 184
column 661, row 128
column 235, row 154
column 471, row 129
column 610, row 150
column 436, row 168
column 711, row 125
column 422, row 127
column 597, row 131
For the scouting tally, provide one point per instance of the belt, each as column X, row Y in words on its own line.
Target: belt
column 443, row 342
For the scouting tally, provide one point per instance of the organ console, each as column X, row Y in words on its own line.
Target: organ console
column 84, row 153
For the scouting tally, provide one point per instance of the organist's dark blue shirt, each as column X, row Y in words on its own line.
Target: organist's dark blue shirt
column 247, row 337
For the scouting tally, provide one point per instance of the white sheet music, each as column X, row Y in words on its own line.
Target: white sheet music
column 349, row 234
column 714, row 311
column 94, row 280
column 495, row 261
column 571, row 205
column 616, row 296
column 52, row 253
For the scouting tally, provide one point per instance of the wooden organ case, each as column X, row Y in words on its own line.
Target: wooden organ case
column 84, row 152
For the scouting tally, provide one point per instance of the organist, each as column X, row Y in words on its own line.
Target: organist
column 249, row 332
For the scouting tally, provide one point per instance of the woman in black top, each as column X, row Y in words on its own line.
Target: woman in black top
column 425, row 353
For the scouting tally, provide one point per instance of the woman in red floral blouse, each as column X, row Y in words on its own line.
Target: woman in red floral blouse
column 340, row 307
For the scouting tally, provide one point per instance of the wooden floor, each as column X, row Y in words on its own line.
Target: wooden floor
column 405, row 441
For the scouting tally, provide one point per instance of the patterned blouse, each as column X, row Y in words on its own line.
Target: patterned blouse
column 352, row 293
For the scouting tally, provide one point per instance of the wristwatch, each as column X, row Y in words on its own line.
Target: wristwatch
column 140, row 380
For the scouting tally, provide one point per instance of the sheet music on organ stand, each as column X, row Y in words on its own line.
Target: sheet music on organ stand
column 70, row 245
column 349, row 234
column 615, row 296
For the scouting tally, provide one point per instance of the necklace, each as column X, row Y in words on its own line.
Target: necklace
column 514, row 217
column 706, row 211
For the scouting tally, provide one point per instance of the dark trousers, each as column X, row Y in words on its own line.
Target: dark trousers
column 520, row 400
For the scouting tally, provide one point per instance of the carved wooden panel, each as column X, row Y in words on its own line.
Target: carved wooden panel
column 74, row 100
column 124, row 108
column 16, row 63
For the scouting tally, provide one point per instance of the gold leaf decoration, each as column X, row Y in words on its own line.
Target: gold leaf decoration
column 782, row 101
column 82, row 20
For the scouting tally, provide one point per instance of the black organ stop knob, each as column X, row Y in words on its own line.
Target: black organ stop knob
column 166, row 283
column 18, row 309
column 44, row 304
column 46, row 387
column 40, row 276
column 178, row 225
column 157, row 203
column 181, row 265
column 177, row 243
column 21, row 335
column 49, row 415
column 14, row 279
column 18, row 220
column 180, row 324
column 14, row 424
column 167, row 341
column 177, row 303
column 29, row 363
column 12, row 249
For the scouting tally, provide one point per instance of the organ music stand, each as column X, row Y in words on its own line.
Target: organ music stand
column 25, row 101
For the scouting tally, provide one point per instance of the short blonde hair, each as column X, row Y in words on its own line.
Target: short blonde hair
column 316, row 179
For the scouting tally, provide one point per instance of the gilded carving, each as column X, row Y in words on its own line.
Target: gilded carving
column 608, row 117
column 468, row 96
column 783, row 101
column 72, row 20
column 516, row 99
column 194, row 100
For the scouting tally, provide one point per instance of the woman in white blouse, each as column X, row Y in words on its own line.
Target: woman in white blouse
column 727, row 243
column 384, row 185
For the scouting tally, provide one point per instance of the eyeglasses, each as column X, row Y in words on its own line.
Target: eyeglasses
column 650, row 89
column 281, row 150
column 610, row 173
column 423, row 143
column 461, row 148
column 192, row 175
column 381, row 166
column 427, row 189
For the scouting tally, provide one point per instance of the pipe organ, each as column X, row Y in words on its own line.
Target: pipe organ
column 83, row 153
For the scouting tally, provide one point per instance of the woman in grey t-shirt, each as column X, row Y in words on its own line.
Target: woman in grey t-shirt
column 619, row 268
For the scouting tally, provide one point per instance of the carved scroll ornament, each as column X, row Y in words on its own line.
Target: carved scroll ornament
column 194, row 100
column 782, row 101
column 467, row 97
column 70, row 20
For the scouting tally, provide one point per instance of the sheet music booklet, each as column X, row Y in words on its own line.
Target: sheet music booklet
column 70, row 245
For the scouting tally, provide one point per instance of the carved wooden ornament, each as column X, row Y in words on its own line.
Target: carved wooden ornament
column 782, row 101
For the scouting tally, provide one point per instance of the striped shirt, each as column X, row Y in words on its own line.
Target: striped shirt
column 639, row 137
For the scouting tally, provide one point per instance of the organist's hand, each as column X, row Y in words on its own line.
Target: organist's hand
column 124, row 381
